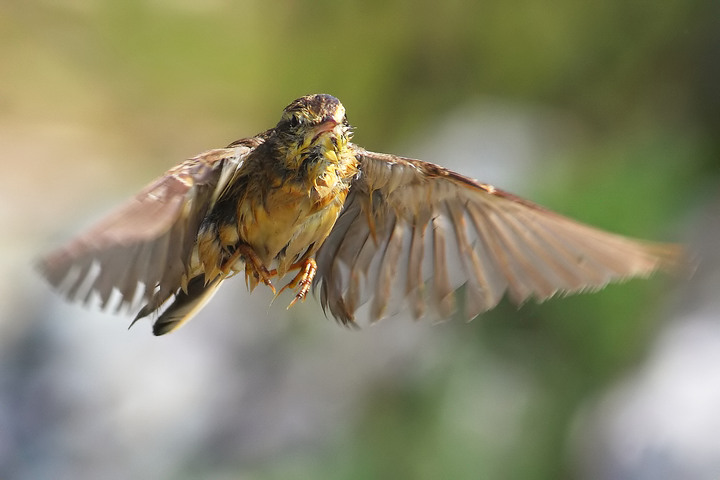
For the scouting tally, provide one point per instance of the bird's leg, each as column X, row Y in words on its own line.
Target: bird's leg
column 255, row 270
column 304, row 279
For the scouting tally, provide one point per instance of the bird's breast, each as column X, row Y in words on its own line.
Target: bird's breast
column 286, row 219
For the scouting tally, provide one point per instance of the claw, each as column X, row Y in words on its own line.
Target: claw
column 303, row 278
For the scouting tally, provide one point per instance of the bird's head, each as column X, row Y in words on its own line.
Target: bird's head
column 313, row 123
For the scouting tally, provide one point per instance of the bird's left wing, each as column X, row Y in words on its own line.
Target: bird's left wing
column 144, row 248
column 412, row 233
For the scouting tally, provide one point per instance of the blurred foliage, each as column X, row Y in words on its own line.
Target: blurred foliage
column 640, row 77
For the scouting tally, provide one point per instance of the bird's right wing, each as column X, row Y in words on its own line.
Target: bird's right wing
column 144, row 248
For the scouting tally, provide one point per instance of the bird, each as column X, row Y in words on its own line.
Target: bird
column 355, row 226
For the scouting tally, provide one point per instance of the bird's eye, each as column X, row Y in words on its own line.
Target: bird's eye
column 294, row 121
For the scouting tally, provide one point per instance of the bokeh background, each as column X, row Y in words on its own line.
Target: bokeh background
column 606, row 111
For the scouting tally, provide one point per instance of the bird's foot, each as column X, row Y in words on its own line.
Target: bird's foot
column 303, row 279
column 255, row 270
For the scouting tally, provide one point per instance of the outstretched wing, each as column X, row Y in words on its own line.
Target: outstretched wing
column 412, row 233
column 144, row 248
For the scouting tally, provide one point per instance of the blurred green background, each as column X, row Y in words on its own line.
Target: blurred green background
column 606, row 111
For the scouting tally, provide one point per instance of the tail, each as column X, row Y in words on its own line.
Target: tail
column 184, row 306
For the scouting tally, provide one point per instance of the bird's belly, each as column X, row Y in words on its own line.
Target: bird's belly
column 288, row 226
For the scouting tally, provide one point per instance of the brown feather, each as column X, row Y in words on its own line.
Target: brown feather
column 503, row 243
column 147, row 242
column 185, row 305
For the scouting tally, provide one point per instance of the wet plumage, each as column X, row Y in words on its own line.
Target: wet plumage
column 358, row 226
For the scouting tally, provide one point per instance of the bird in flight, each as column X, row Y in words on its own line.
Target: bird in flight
column 354, row 225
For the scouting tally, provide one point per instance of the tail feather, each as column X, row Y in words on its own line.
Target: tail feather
column 184, row 306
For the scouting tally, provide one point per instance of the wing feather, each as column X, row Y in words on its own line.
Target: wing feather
column 478, row 288
column 386, row 275
column 148, row 243
column 418, row 229
column 414, row 285
column 443, row 300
